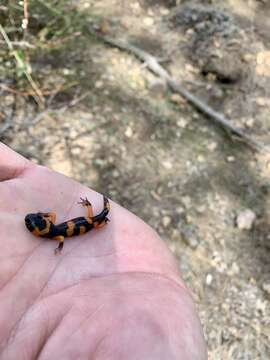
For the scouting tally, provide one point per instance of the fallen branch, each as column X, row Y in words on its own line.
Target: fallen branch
column 152, row 63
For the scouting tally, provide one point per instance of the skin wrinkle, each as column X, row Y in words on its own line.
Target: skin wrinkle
column 17, row 323
column 95, row 353
column 156, row 275
column 147, row 274
column 47, row 339
column 19, row 171
column 90, row 316
column 92, row 277
column 20, row 268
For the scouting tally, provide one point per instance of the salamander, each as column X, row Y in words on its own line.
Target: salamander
column 43, row 224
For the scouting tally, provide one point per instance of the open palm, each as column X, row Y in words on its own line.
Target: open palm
column 113, row 293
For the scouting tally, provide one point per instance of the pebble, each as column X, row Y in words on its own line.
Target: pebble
column 129, row 132
column 249, row 123
column 234, row 270
column 182, row 123
column 98, row 84
column 178, row 99
column 231, row 159
column 263, row 63
column 148, row 21
column 164, row 11
column 115, row 173
column 180, row 210
column 166, row 221
column 167, row 164
column 266, row 288
column 201, row 158
column 186, row 200
column 76, row 151
column 209, row 279
column 212, row 146
column 201, row 209
column 73, row 133
column 245, row 219
column 262, row 101
column 189, row 234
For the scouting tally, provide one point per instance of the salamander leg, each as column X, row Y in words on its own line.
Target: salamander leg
column 100, row 225
column 51, row 216
column 85, row 202
column 61, row 240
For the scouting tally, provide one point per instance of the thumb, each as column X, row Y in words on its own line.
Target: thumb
column 11, row 163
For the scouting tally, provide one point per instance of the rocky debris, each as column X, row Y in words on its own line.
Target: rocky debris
column 166, row 221
column 245, row 219
column 189, row 233
column 215, row 41
column 206, row 20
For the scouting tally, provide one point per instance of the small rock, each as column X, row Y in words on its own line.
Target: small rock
column 212, row 146
column 262, row 101
column 135, row 6
column 247, row 58
column 76, row 151
column 73, row 134
column 245, row 219
column 167, row 164
column 261, row 306
column 190, row 31
column 98, row 84
column 166, row 221
column 263, row 63
column 8, row 100
column 266, row 288
column 186, row 200
column 178, row 99
column 182, row 123
column 129, row 132
column 191, row 68
column 249, row 123
column 189, row 219
column 209, row 279
column 201, row 209
column 180, row 210
column 164, row 11
column 234, row 270
column 66, row 71
column 148, row 21
column 201, row 158
column 115, row 173
column 190, row 235
column 231, row 159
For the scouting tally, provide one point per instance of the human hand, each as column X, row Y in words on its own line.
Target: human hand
column 113, row 293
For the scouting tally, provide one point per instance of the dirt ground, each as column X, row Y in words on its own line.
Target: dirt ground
column 120, row 131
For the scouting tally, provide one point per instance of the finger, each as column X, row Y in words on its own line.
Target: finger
column 11, row 163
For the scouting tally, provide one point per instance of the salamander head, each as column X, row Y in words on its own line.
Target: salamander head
column 35, row 221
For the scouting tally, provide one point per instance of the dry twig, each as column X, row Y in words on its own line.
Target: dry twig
column 152, row 63
column 26, row 17
column 20, row 63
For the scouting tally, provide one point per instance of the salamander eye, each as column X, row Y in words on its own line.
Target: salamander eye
column 27, row 221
